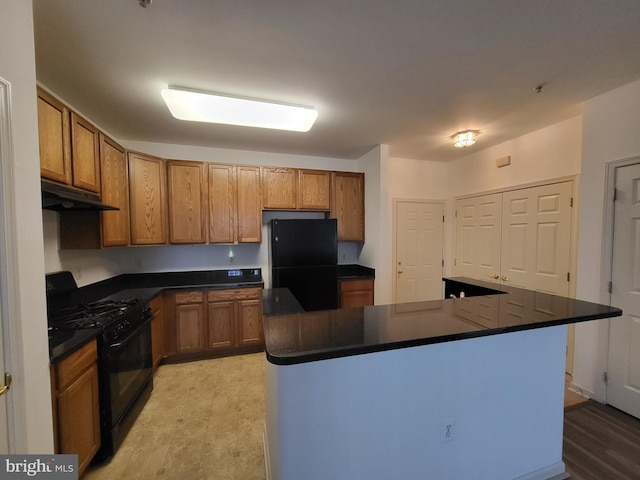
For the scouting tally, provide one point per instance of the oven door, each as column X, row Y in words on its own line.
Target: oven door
column 128, row 369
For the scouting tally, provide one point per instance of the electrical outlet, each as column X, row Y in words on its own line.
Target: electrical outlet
column 448, row 432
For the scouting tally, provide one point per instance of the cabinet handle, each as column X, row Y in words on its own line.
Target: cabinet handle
column 7, row 383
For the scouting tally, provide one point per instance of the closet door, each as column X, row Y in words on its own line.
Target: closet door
column 478, row 237
column 536, row 238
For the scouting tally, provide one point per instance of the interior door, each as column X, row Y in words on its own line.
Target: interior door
column 418, row 251
column 536, row 238
column 478, row 237
column 623, row 387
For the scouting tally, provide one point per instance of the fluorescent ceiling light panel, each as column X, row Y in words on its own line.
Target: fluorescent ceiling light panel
column 214, row 108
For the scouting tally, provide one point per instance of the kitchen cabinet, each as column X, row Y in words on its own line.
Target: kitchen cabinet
column 249, row 206
column 188, row 192
column 190, row 321
column 279, row 188
column 235, row 207
column 356, row 293
column 85, row 156
column 157, row 327
column 148, row 199
column 314, row 188
column 347, row 205
column 54, row 138
column 209, row 323
column 115, row 191
column 75, row 405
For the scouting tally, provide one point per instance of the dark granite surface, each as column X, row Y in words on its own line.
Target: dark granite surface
column 279, row 301
column 293, row 338
column 144, row 286
column 346, row 272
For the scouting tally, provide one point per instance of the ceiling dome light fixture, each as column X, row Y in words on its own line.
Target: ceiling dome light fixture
column 465, row 138
column 198, row 106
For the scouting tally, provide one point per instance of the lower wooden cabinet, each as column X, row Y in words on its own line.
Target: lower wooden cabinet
column 356, row 293
column 208, row 323
column 74, row 383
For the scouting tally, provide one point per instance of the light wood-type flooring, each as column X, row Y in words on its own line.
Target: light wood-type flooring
column 204, row 421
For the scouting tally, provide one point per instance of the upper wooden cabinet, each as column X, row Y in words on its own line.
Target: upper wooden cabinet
column 85, row 157
column 314, row 187
column 295, row 189
column 279, row 188
column 348, row 205
column 69, row 145
column 115, row 192
column 249, row 213
column 148, row 201
column 188, row 191
column 235, row 211
column 54, row 138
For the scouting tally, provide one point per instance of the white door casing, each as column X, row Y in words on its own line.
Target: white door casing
column 623, row 387
column 418, row 251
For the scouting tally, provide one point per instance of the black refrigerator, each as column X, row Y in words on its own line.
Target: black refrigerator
column 304, row 259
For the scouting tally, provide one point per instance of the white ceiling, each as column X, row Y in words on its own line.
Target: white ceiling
column 407, row 73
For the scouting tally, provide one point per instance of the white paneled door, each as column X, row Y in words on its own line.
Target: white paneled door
column 418, row 256
column 536, row 238
column 623, row 388
column 478, row 236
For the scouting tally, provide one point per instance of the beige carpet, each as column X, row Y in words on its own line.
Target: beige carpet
column 204, row 420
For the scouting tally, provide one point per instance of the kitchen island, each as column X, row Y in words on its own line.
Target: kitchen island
column 452, row 389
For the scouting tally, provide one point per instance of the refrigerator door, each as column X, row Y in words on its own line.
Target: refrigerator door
column 315, row 288
column 304, row 242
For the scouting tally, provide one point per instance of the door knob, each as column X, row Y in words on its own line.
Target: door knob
column 399, row 272
column 494, row 276
column 504, row 278
column 7, row 383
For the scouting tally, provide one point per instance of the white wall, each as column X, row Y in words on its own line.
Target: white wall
column 611, row 132
column 31, row 390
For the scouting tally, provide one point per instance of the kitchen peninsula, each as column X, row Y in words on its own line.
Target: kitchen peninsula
column 451, row 389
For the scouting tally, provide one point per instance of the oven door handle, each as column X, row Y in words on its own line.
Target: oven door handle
column 132, row 334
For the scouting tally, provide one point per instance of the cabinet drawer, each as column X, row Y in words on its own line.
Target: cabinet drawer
column 235, row 294
column 72, row 366
column 356, row 285
column 194, row 296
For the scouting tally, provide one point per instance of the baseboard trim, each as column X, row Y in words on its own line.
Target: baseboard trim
column 551, row 472
column 265, row 449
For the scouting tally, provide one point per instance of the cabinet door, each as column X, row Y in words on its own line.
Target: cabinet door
column 85, row 157
column 348, row 205
column 79, row 418
column 249, row 207
column 314, row 188
column 250, row 322
column 221, row 323
column 356, row 293
column 147, row 200
column 190, row 328
column 115, row 192
column 222, row 203
column 54, row 136
column 187, row 182
column 279, row 188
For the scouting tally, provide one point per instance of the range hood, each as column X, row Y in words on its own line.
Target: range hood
column 61, row 198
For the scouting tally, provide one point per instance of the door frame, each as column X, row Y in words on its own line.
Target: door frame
column 606, row 267
column 394, row 220
column 9, row 279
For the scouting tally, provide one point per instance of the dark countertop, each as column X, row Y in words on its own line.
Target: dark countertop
column 351, row 272
column 144, row 286
column 299, row 337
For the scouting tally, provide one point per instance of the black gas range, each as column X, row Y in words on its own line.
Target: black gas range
column 122, row 328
